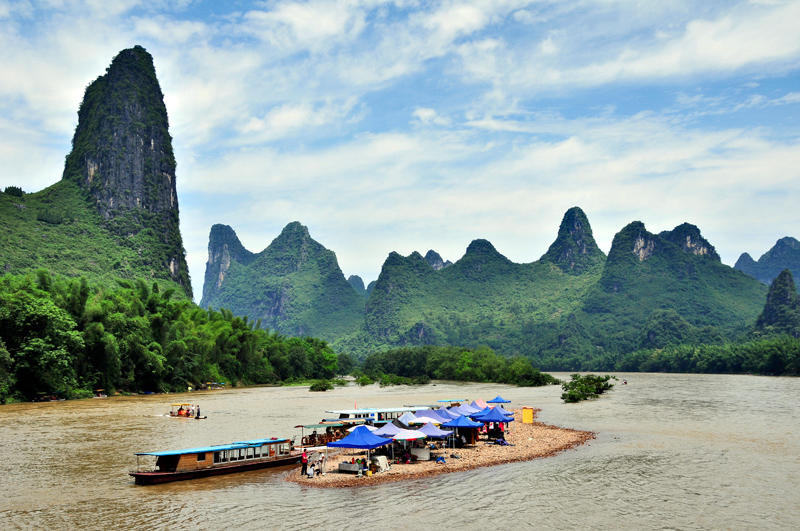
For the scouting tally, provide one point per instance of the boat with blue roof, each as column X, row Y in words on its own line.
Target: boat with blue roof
column 191, row 463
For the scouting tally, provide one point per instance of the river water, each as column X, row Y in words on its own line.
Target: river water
column 672, row 452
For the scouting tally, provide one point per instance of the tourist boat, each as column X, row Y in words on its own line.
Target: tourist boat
column 178, row 465
column 183, row 410
column 375, row 415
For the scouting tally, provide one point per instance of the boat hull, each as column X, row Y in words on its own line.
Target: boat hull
column 152, row 478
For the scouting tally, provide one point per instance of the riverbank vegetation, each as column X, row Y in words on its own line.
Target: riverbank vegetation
column 582, row 387
column 65, row 337
column 414, row 365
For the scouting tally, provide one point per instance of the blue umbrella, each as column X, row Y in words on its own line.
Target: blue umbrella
column 494, row 416
column 498, row 400
column 461, row 422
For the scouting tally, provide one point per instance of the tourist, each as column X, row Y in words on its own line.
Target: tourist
column 311, row 471
column 304, row 463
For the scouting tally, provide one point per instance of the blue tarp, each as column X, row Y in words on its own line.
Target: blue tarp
column 462, row 422
column 498, row 400
column 362, row 438
column 494, row 416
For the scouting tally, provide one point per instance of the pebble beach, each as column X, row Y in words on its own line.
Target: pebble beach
column 527, row 442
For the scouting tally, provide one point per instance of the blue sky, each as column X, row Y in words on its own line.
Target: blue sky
column 406, row 125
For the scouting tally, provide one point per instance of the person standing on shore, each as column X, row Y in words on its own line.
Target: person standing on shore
column 304, row 465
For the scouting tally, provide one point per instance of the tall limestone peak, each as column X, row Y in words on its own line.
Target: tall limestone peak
column 688, row 238
column 122, row 150
column 782, row 310
column 574, row 250
column 435, row 260
column 224, row 248
column 122, row 156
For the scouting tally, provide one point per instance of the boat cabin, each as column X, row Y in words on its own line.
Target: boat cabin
column 376, row 415
column 220, row 455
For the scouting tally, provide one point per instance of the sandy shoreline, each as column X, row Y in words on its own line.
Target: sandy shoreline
column 530, row 441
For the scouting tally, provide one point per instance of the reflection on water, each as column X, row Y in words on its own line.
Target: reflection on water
column 672, row 451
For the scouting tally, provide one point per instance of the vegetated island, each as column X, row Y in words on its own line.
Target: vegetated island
column 527, row 442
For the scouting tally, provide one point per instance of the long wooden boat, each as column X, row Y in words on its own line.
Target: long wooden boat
column 191, row 463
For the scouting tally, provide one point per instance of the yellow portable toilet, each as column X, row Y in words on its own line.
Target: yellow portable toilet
column 527, row 415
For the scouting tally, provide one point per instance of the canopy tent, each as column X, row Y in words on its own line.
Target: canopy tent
column 388, row 430
column 462, row 422
column 432, row 431
column 361, row 438
column 407, row 418
column 480, row 404
column 399, row 424
column 503, row 410
column 498, row 400
column 494, row 416
column 408, row 435
column 464, row 409
column 434, row 414
column 480, row 413
column 370, row 428
column 428, row 420
column 447, row 414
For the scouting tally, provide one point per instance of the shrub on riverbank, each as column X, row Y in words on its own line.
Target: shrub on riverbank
column 321, row 386
column 582, row 387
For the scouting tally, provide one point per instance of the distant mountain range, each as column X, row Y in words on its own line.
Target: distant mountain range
column 785, row 254
column 114, row 214
column 573, row 302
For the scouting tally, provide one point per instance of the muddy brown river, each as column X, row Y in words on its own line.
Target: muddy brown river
column 672, row 452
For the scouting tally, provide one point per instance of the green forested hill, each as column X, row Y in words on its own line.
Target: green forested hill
column 59, row 230
column 482, row 299
column 663, row 289
column 115, row 211
column 294, row 286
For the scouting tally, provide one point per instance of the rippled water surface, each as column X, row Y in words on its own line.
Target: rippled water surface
column 672, row 452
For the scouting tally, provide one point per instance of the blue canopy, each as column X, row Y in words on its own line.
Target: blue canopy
column 462, row 422
column 464, row 409
column 434, row 414
column 480, row 413
column 446, row 413
column 503, row 410
column 388, row 430
column 494, row 416
column 498, row 400
column 362, row 438
column 432, row 431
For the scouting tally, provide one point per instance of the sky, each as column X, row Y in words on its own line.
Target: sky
column 409, row 125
